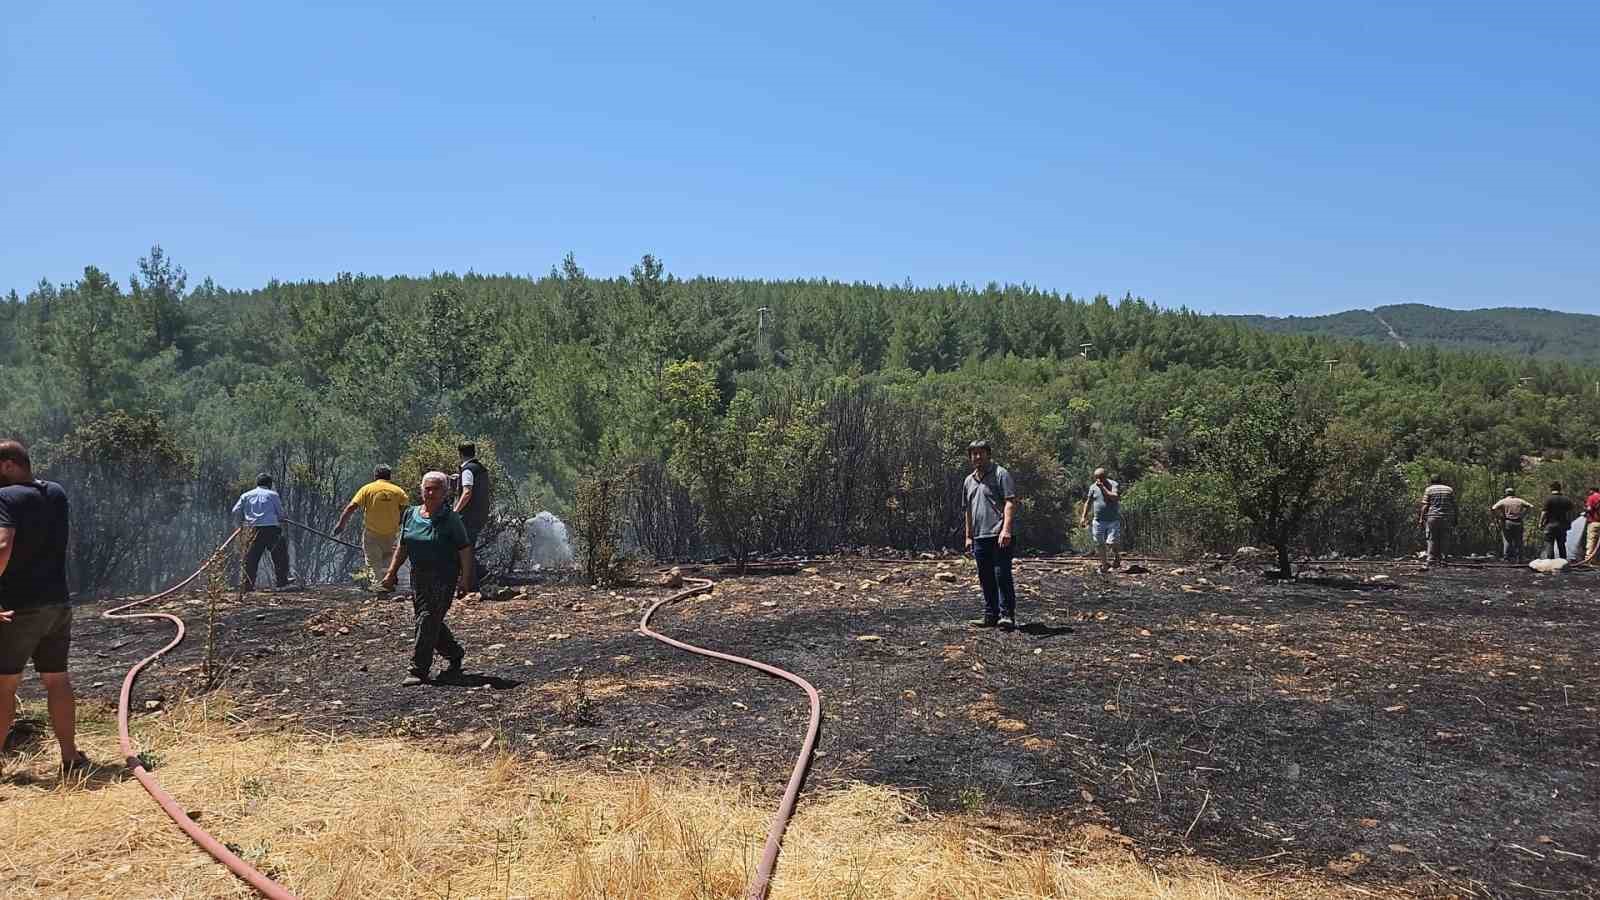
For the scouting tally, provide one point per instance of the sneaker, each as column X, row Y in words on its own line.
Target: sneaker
column 985, row 622
column 453, row 670
column 1008, row 622
column 412, row 681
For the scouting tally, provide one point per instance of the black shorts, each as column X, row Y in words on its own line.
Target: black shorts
column 42, row 634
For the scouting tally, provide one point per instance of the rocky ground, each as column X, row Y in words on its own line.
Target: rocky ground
column 1437, row 732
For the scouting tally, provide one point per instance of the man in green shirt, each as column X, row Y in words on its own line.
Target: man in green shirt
column 434, row 538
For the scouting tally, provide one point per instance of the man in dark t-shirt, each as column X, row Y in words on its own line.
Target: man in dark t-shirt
column 1555, row 519
column 36, row 623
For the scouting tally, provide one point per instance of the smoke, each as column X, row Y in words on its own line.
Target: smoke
column 548, row 544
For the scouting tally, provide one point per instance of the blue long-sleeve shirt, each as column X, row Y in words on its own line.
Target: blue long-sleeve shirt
column 261, row 507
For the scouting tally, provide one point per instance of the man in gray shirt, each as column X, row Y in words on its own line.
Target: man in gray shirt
column 1104, row 504
column 990, row 511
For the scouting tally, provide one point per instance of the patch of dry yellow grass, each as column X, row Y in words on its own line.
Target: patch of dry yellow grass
column 381, row 818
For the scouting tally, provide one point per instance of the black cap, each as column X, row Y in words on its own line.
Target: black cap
column 263, row 480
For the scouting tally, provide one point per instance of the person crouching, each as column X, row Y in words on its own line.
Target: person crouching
column 434, row 539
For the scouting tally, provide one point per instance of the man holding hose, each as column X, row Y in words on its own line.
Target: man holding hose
column 35, row 611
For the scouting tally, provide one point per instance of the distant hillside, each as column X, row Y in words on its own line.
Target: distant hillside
column 1517, row 332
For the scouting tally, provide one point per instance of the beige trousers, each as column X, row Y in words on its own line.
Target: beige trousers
column 380, row 549
column 1591, row 533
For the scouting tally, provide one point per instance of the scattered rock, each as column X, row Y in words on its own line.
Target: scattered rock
column 673, row 578
column 1010, row 725
column 1548, row 566
column 869, row 638
column 945, row 576
column 1349, row 865
column 1367, row 823
column 152, row 705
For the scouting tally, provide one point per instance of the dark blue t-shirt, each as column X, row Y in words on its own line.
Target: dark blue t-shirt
column 37, row 573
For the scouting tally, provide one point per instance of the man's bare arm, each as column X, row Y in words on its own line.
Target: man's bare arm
column 344, row 517
column 7, row 539
column 464, row 499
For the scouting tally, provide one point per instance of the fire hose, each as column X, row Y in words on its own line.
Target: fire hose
column 761, row 881
column 263, row 885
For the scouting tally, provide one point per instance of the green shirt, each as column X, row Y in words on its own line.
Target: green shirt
column 433, row 542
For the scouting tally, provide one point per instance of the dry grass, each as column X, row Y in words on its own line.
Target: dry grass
column 347, row 818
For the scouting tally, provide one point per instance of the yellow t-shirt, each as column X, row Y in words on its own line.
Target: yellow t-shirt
column 381, row 504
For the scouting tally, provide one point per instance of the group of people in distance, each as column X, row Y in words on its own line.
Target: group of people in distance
column 989, row 510
column 436, row 537
column 1437, row 515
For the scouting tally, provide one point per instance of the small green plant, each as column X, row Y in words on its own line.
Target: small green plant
column 597, row 510
column 970, row 799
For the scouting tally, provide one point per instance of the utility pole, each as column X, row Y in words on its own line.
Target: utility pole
column 763, row 343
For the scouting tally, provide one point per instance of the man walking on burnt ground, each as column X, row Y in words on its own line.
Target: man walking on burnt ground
column 35, row 610
column 990, row 512
column 261, row 512
column 1102, row 515
column 1554, row 520
column 1436, row 515
column 1508, row 512
column 381, row 502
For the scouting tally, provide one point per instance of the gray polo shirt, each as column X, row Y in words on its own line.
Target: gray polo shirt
column 986, row 500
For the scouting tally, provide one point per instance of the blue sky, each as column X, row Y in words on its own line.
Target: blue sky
column 1244, row 157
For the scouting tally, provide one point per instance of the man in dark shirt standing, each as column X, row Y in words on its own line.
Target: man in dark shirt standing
column 991, row 509
column 37, row 618
column 477, row 495
column 1555, row 519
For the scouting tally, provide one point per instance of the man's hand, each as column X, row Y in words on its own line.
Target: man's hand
column 969, row 543
column 1005, row 538
column 464, row 585
column 389, row 581
column 5, row 615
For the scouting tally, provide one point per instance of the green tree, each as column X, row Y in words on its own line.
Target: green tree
column 1269, row 448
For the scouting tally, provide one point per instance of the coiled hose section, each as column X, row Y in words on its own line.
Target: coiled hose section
column 263, row 885
column 761, row 881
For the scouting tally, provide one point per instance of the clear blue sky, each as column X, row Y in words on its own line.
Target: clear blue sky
column 1254, row 157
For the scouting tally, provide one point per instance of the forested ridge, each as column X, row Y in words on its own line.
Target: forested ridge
column 1540, row 333
column 734, row 416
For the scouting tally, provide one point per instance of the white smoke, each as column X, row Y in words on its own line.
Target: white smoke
column 548, row 543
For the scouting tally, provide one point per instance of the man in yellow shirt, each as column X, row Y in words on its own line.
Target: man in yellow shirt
column 381, row 502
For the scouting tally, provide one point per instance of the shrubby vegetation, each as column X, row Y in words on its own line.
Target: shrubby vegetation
column 839, row 422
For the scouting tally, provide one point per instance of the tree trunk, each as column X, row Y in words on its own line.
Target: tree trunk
column 1285, row 568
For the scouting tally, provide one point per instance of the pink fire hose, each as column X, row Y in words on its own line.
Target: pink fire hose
column 263, row 885
column 761, row 881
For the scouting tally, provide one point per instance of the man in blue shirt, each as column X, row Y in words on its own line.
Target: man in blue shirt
column 35, row 611
column 261, row 510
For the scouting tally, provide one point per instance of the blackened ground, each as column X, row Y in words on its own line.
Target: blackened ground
column 1433, row 733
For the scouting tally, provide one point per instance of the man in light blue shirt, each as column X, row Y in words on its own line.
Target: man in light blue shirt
column 261, row 510
column 1104, row 506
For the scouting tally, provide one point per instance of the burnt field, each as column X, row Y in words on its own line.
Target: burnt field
column 1427, row 733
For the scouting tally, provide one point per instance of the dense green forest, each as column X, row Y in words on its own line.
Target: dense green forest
column 733, row 417
column 1516, row 332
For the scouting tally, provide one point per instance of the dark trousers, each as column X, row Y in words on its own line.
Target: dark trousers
column 1511, row 541
column 1555, row 539
column 433, row 592
column 994, row 574
column 266, row 538
column 478, row 569
column 1438, row 538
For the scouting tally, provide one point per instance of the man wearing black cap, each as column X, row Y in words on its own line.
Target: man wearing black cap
column 261, row 511
column 990, row 512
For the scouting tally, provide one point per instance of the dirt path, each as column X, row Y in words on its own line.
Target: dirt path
column 1437, row 731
